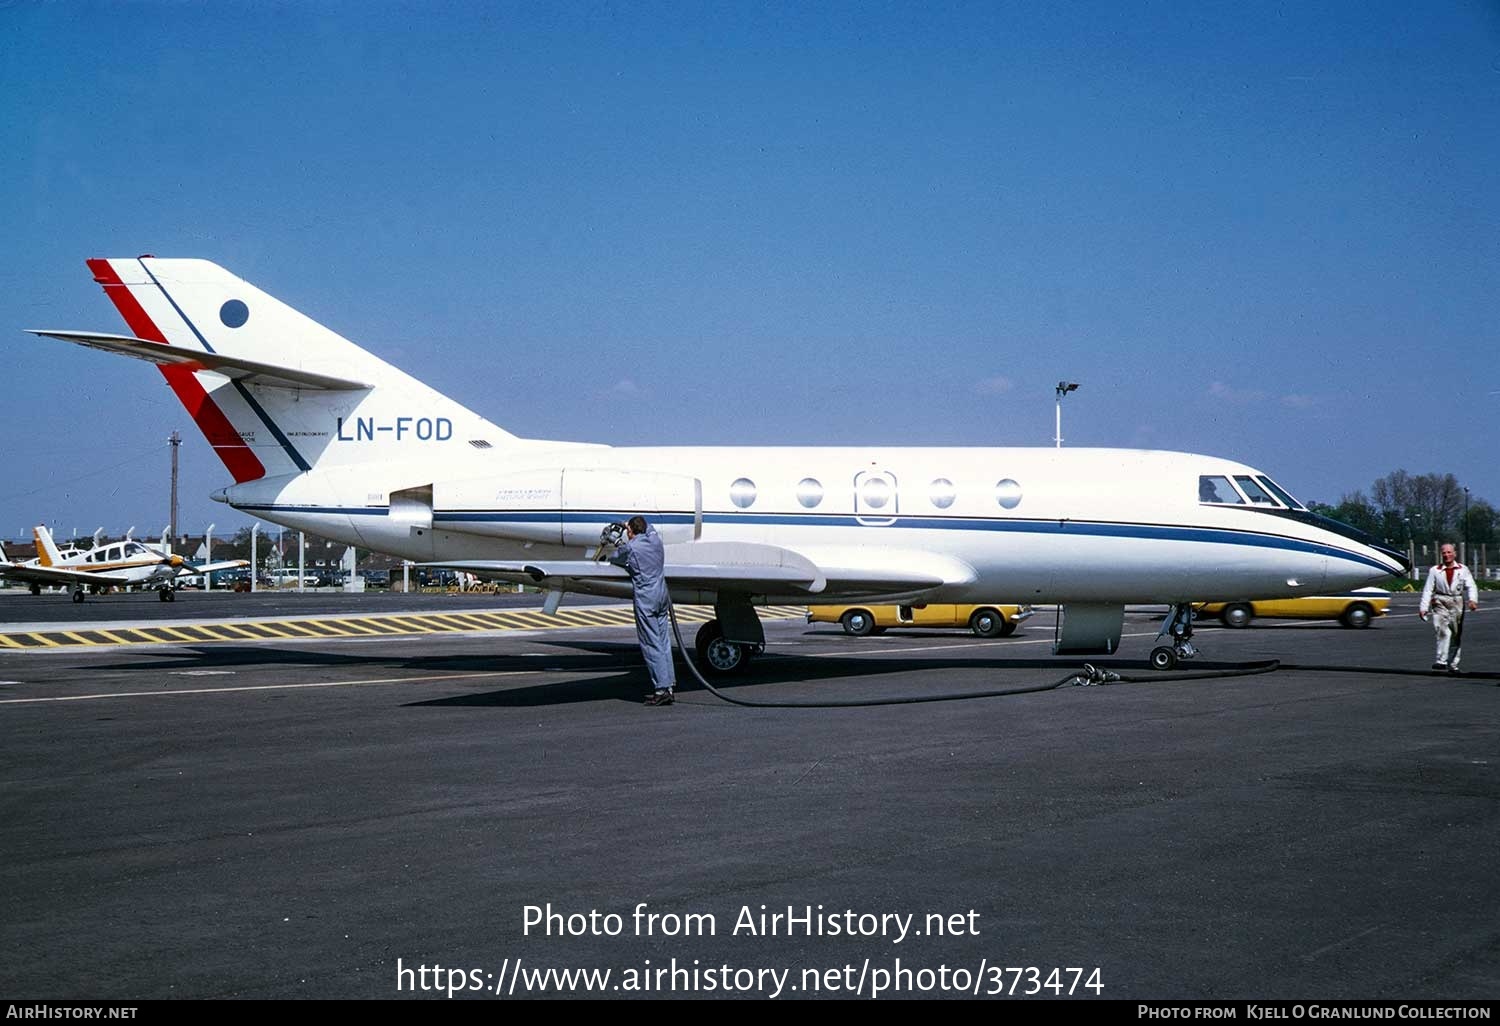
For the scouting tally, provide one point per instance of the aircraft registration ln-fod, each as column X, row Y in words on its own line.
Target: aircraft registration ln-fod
column 120, row 564
column 323, row 436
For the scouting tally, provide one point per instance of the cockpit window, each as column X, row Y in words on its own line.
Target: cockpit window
column 134, row 549
column 1216, row 488
column 1280, row 492
column 1256, row 493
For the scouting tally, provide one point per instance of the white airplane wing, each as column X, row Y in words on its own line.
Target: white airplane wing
column 194, row 569
column 723, row 566
column 232, row 367
column 56, row 575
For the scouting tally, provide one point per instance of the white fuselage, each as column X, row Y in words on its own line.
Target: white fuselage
column 1021, row 524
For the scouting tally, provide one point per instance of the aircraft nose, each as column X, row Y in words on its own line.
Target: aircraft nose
column 1398, row 557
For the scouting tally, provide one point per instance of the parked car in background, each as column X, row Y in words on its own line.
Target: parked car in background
column 987, row 621
column 234, row 580
column 286, row 577
column 1354, row 609
column 376, row 578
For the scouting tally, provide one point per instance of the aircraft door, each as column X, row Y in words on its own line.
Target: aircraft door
column 876, row 500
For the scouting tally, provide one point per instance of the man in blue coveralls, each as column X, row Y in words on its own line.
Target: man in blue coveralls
column 642, row 557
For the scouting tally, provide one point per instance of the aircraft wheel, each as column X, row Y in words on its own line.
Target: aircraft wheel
column 858, row 622
column 1237, row 615
column 987, row 623
column 78, row 595
column 720, row 658
column 36, row 589
column 1163, row 658
column 1357, row 616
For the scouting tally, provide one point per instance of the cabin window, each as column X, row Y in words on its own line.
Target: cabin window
column 1280, row 492
column 809, row 492
column 1008, row 494
column 1255, row 492
column 942, row 493
column 742, row 493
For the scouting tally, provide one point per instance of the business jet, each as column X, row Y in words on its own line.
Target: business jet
column 108, row 565
column 321, row 435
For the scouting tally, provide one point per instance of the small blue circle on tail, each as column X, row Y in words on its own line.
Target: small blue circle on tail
column 234, row 313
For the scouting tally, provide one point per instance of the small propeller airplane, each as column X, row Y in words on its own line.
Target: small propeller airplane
column 108, row 565
column 324, row 436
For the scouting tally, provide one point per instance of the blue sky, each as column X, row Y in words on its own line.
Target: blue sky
column 1250, row 230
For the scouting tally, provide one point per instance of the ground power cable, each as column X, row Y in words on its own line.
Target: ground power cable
column 1089, row 676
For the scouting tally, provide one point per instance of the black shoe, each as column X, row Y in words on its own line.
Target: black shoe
column 660, row 698
column 1439, row 666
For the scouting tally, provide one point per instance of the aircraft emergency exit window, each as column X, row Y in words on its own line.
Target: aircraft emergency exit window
column 1216, row 488
column 942, row 493
column 742, row 493
column 875, row 492
column 809, row 492
column 1257, row 494
column 1280, row 492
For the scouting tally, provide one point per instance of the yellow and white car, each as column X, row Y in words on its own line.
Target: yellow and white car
column 987, row 621
column 1353, row 609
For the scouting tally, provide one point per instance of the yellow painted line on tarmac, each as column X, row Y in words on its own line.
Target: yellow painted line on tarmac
column 357, row 627
column 271, row 687
column 383, row 625
column 175, row 634
column 410, row 624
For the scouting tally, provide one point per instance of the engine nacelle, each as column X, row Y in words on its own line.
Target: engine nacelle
column 569, row 505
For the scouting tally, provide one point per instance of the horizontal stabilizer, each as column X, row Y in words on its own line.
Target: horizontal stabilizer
column 235, row 368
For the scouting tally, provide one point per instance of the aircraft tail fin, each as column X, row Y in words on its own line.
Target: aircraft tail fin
column 46, row 548
column 272, row 390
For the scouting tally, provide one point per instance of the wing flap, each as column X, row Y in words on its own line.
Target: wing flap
column 233, row 367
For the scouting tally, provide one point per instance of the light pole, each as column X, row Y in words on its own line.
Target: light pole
column 1466, row 525
column 254, row 564
column 1063, row 388
column 208, row 557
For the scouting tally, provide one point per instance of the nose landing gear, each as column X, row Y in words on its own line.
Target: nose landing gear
column 1178, row 626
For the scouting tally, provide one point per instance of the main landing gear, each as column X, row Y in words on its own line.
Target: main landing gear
column 1179, row 628
column 726, row 644
column 167, row 594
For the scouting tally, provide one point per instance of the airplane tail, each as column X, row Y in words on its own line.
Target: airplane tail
column 272, row 390
column 46, row 548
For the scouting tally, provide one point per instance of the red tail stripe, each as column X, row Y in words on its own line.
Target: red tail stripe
column 238, row 458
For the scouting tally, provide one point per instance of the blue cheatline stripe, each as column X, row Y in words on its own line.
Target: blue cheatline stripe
column 1050, row 528
column 255, row 407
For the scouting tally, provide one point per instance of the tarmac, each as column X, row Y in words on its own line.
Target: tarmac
column 382, row 815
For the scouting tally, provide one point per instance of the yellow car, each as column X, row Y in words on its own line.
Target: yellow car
column 1355, row 609
column 987, row 621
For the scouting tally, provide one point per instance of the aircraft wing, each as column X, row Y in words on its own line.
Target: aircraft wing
column 56, row 575
column 721, row 566
column 194, row 569
column 233, row 367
